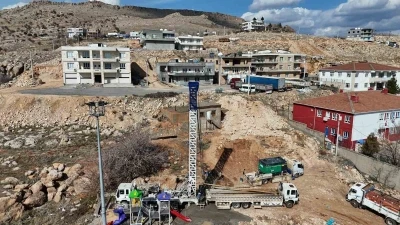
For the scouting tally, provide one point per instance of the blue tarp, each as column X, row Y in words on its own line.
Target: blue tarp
column 163, row 196
column 326, row 131
column 121, row 214
column 361, row 141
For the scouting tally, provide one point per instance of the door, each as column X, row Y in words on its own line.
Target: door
column 97, row 78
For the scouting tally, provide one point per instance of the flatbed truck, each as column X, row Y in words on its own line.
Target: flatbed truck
column 366, row 196
column 287, row 195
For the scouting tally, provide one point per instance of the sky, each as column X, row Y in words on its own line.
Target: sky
column 318, row 17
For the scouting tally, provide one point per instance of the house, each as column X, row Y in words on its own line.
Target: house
column 360, row 34
column 178, row 72
column 76, row 32
column 94, row 33
column 235, row 65
column 361, row 113
column 157, row 39
column 278, row 64
column 358, row 76
column 253, row 25
column 189, row 43
column 96, row 63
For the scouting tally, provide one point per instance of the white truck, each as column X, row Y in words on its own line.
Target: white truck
column 287, row 195
column 245, row 88
column 366, row 196
column 122, row 194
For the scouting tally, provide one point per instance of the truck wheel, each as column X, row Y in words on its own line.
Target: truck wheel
column 264, row 181
column 296, row 175
column 289, row 204
column 236, row 205
column 125, row 204
column 354, row 203
column 390, row 221
column 246, row 205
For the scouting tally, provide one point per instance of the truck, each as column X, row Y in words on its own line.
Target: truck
column 286, row 195
column 278, row 83
column 274, row 170
column 235, row 81
column 264, row 88
column 366, row 196
column 245, row 88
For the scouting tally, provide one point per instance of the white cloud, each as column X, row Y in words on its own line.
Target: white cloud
column 381, row 15
column 19, row 4
column 111, row 2
column 265, row 4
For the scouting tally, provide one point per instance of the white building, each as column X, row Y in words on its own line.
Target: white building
column 96, row 63
column 189, row 43
column 72, row 32
column 359, row 76
column 360, row 34
column 253, row 25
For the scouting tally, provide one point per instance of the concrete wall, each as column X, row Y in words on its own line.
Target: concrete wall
column 160, row 46
column 383, row 172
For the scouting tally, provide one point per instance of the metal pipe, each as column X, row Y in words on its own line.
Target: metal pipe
column 103, row 207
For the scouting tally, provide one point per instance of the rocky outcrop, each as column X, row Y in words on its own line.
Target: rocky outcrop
column 35, row 200
column 9, row 70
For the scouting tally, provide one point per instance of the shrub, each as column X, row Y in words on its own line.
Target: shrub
column 371, row 146
column 161, row 95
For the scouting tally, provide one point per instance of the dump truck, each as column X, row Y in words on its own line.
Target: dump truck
column 366, row 196
column 278, row 83
column 227, row 198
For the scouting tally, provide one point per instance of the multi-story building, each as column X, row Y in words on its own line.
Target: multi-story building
column 189, row 43
column 278, row 64
column 178, row 72
column 253, row 25
column 158, row 39
column 96, row 63
column 358, row 76
column 353, row 116
column 76, row 32
column 360, row 34
column 235, row 65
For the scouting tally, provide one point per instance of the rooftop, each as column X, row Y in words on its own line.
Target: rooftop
column 368, row 101
column 362, row 66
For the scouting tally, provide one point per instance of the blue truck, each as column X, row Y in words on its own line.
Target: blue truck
column 278, row 83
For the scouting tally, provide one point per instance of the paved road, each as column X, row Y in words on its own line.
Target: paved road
column 110, row 91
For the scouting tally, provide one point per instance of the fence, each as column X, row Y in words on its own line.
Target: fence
column 387, row 174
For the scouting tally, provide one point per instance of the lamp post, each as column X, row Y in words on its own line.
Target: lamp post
column 97, row 109
column 220, row 68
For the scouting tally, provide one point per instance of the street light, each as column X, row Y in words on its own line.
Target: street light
column 220, row 68
column 97, row 109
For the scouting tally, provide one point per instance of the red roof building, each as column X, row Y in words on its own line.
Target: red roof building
column 361, row 113
column 358, row 76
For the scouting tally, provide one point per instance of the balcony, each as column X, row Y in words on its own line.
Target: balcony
column 258, row 62
column 84, row 70
column 266, row 70
column 112, row 70
column 111, row 59
column 83, row 59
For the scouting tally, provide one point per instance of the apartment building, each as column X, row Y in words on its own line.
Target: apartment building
column 75, row 32
column 358, row 76
column 360, row 34
column 277, row 64
column 189, row 43
column 235, row 66
column 158, row 39
column 253, row 25
column 96, row 63
column 178, row 72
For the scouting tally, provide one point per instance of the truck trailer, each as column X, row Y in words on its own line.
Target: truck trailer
column 286, row 195
column 278, row 83
column 366, row 196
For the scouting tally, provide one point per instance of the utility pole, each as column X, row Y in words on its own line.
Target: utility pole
column 30, row 54
column 339, row 118
column 52, row 41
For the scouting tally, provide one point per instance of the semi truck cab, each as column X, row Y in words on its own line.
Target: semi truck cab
column 290, row 194
column 296, row 167
column 356, row 193
column 122, row 194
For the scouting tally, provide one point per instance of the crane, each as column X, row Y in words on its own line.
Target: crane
column 193, row 136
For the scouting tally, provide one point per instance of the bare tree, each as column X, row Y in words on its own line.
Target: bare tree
column 391, row 152
column 133, row 156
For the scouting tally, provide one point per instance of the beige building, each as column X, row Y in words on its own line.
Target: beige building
column 277, row 64
column 235, row 66
column 96, row 63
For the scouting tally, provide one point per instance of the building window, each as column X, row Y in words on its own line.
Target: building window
column 381, row 74
column 280, row 67
column 319, row 112
column 392, row 115
column 380, row 116
column 122, row 66
column 366, row 85
column 347, row 85
column 347, row 119
column 333, row 131
column 373, row 74
column 207, row 78
column 366, row 74
column 331, row 74
column 345, row 135
column 197, row 78
column 356, row 85
column 289, row 67
column 348, row 75
column 70, row 66
column 107, row 55
column 340, row 74
column 86, row 65
column 86, row 54
column 289, row 59
column 397, row 114
column 334, row 116
column 107, row 66
column 387, row 116
column 70, row 55
column 281, row 59
column 163, row 78
column 186, row 79
column 356, row 74
column 122, row 55
column 328, row 114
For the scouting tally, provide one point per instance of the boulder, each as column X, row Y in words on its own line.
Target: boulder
column 55, row 165
column 29, row 172
column 65, row 140
column 70, row 190
column 75, row 169
column 6, row 202
column 50, row 196
column 21, row 186
column 47, row 182
column 15, row 144
column 8, row 186
column 81, row 185
column 37, row 187
column 54, row 175
column 35, row 200
column 18, row 69
column 10, row 180
column 57, row 198
column 62, row 188
column 51, row 190
column 61, row 167
column 51, row 143
column 15, row 168
column 13, row 212
column 30, row 141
